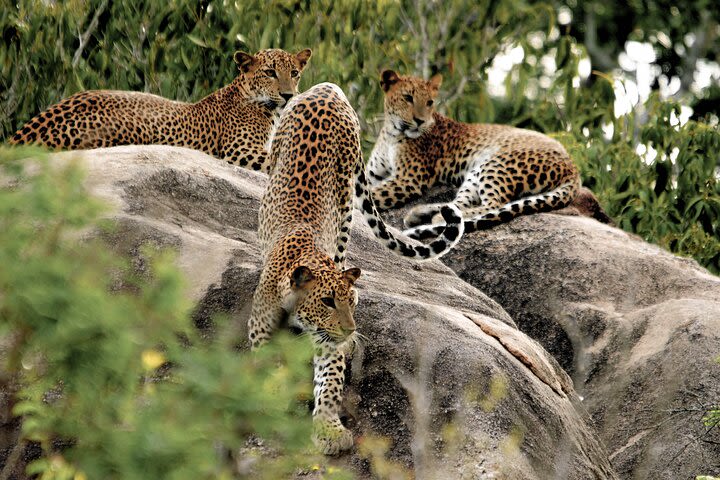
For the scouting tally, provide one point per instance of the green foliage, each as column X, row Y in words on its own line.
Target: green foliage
column 712, row 419
column 121, row 377
column 182, row 49
column 680, row 32
column 657, row 178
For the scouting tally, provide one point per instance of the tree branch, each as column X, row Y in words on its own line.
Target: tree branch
column 696, row 51
column 423, row 62
column 90, row 30
column 600, row 58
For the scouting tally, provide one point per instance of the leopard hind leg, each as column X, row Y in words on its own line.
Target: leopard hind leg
column 554, row 199
column 484, row 217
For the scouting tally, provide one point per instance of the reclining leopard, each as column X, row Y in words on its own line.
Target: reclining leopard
column 304, row 225
column 500, row 171
column 234, row 123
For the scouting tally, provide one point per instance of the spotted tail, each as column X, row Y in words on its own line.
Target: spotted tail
column 542, row 202
column 448, row 234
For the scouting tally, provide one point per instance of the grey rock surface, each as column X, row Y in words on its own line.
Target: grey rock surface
column 446, row 374
column 637, row 328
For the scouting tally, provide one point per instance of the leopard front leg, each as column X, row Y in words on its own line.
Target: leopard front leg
column 329, row 434
column 265, row 316
column 381, row 166
column 397, row 192
column 480, row 190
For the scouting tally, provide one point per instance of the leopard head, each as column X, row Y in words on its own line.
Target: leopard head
column 271, row 76
column 321, row 302
column 409, row 103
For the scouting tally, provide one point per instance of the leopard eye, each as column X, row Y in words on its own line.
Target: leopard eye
column 408, row 98
column 294, row 73
column 329, row 301
column 430, row 103
column 271, row 73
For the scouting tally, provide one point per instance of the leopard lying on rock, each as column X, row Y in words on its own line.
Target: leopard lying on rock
column 500, row 171
column 234, row 123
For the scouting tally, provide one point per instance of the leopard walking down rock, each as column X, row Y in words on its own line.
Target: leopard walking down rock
column 304, row 226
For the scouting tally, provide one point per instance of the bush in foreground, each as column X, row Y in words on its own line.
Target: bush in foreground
column 106, row 364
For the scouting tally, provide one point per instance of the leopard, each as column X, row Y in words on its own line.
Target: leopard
column 499, row 171
column 234, row 123
column 304, row 222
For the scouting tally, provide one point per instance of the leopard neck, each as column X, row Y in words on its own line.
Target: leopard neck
column 300, row 245
column 235, row 92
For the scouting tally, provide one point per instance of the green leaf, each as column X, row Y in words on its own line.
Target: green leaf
column 197, row 41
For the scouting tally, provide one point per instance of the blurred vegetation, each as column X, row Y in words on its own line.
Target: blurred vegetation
column 109, row 377
column 171, row 411
column 182, row 49
column 658, row 179
column 682, row 34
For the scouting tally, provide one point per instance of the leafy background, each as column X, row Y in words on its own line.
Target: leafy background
column 644, row 132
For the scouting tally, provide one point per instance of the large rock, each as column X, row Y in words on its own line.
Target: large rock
column 440, row 356
column 637, row 329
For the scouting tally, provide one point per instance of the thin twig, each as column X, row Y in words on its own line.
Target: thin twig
column 90, row 30
column 458, row 90
column 694, row 440
column 424, row 54
column 12, row 459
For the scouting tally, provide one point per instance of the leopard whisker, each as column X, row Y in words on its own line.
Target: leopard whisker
column 360, row 339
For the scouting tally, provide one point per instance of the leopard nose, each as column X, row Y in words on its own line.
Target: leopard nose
column 347, row 325
column 418, row 121
column 286, row 96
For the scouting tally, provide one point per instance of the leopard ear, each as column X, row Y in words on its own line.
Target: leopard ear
column 435, row 81
column 303, row 57
column 301, row 276
column 388, row 78
column 244, row 61
column 351, row 275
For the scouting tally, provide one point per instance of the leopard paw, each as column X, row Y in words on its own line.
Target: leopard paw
column 423, row 214
column 331, row 437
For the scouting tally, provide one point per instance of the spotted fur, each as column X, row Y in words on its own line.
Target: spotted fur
column 304, row 226
column 234, row 123
column 500, row 171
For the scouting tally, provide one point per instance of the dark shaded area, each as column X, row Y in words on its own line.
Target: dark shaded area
column 230, row 300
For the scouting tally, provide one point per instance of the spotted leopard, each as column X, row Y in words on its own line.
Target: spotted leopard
column 234, row 123
column 500, row 171
column 304, row 225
